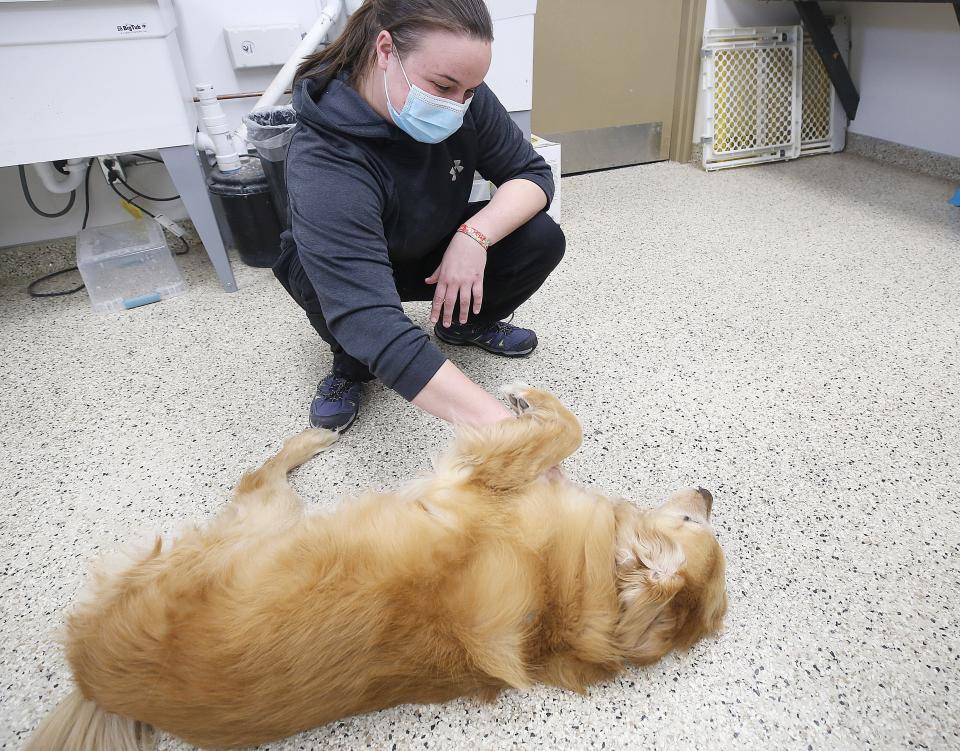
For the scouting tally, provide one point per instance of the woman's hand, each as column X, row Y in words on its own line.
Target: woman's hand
column 460, row 274
column 453, row 397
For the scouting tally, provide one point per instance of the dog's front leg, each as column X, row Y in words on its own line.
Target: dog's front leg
column 511, row 454
column 570, row 673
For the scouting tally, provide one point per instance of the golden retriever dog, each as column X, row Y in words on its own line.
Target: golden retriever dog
column 492, row 572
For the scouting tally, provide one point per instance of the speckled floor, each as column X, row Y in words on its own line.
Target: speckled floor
column 788, row 336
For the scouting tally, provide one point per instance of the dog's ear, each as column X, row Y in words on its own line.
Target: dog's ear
column 648, row 567
column 648, row 578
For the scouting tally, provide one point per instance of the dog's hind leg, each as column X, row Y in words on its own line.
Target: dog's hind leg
column 510, row 454
column 263, row 499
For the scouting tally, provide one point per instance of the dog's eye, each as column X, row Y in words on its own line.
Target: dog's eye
column 686, row 518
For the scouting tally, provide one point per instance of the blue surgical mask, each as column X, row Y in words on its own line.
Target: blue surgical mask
column 425, row 117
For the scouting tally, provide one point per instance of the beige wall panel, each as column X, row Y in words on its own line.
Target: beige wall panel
column 605, row 63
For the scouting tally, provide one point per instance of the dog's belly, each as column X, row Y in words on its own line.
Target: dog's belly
column 274, row 651
column 316, row 627
column 217, row 688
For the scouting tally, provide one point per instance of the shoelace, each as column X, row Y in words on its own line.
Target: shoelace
column 336, row 389
column 504, row 327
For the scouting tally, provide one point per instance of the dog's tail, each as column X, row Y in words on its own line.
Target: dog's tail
column 80, row 725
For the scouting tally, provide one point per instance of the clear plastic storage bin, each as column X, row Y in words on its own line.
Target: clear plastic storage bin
column 127, row 265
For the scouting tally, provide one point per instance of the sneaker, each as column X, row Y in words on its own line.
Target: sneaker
column 500, row 337
column 336, row 404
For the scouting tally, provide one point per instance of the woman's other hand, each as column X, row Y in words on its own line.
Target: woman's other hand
column 459, row 275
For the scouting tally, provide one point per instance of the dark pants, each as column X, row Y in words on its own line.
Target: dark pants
column 516, row 267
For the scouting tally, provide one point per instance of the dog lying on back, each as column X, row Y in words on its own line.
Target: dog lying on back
column 489, row 573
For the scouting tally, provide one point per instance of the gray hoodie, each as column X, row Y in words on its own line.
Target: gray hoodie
column 364, row 196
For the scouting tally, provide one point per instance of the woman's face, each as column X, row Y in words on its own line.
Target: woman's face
column 448, row 65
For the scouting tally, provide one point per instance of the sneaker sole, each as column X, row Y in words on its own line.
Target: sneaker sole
column 341, row 429
column 491, row 350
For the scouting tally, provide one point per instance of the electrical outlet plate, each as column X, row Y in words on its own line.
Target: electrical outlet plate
column 260, row 46
column 110, row 163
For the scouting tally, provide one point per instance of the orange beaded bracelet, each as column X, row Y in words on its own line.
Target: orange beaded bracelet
column 475, row 234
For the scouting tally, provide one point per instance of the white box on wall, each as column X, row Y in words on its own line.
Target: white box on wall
column 550, row 151
column 262, row 46
column 511, row 71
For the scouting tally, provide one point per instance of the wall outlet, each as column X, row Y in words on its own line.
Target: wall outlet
column 111, row 168
column 259, row 46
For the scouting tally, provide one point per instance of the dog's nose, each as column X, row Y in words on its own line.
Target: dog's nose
column 707, row 497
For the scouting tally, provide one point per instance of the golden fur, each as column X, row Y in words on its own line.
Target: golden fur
column 484, row 575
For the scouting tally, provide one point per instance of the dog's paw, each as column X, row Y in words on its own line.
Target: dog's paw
column 514, row 393
column 317, row 439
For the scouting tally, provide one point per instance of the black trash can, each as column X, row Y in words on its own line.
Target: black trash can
column 243, row 203
column 270, row 130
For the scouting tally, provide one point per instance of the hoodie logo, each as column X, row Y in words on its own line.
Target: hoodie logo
column 455, row 170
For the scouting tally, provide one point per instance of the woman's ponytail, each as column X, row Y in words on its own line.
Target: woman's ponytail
column 347, row 51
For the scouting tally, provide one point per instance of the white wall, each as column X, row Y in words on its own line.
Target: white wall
column 726, row 13
column 904, row 60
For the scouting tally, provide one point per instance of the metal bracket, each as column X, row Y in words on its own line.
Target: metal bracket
column 816, row 26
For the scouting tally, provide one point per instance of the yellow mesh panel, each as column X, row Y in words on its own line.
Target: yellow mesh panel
column 753, row 97
column 816, row 97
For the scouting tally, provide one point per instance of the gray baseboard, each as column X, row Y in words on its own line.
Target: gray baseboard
column 696, row 155
column 908, row 157
column 887, row 152
column 603, row 148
